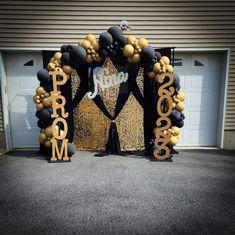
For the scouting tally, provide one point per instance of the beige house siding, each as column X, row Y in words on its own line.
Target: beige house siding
column 183, row 24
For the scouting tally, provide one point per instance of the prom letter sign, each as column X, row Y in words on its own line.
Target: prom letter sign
column 59, row 143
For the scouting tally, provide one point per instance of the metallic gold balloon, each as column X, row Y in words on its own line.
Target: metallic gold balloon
column 95, row 45
column 173, row 141
column 128, row 50
column 131, row 39
column 169, row 68
column 85, row 44
column 166, row 60
column 47, row 144
column 48, row 131
column 151, row 74
column 89, row 59
column 181, row 96
column 179, row 106
column 157, row 67
column 42, row 138
column 57, row 56
column 51, row 66
column 40, row 91
column 35, row 99
column 91, row 37
column 176, row 130
column 39, row 107
column 136, row 58
column 142, row 42
column 47, row 102
column 67, row 69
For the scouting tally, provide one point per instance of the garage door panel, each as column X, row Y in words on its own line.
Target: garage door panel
column 198, row 100
column 200, row 81
column 22, row 82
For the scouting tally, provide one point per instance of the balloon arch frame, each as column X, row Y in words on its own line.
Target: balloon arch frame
column 55, row 106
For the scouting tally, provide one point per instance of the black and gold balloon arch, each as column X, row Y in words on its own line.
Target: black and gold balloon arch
column 114, row 44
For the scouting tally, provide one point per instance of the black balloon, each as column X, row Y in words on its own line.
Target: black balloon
column 147, row 54
column 103, row 53
column 182, row 115
column 45, row 115
column 48, row 87
column 65, row 58
column 117, row 35
column 40, row 124
column 180, row 123
column 71, row 149
column 78, row 54
column 175, row 116
column 69, row 48
column 37, row 114
column 64, row 48
column 122, row 41
column 105, row 39
column 157, row 55
column 115, row 32
column 176, row 82
column 43, row 76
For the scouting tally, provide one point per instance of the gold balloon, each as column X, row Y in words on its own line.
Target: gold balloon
column 39, row 107
column 166, row 60
column 89, row 59
column 176, row 130
column 85, row 44
column 91, row 37
column 129, row 59
column 46, row 94
column 35, row 99
column 142, row 42
column 179, row 106
column 51, row 66
column 128, row 50
column 40, row 91
column 95, row 45
column 169, row 68
column 157, row 67
column 98, row 58
column 151, row 74
column 47, row 144
column 173, row 141
column 67, row 69
column 42, row 138
column 181, row 96
column 47, row 102
column 131, row 39
column 57, row 56
column 136, row 58
column 48, row 131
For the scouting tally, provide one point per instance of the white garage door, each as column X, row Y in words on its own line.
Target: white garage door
column 22, row 82
column 200, row 78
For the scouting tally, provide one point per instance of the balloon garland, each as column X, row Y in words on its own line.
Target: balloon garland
column 111, row 44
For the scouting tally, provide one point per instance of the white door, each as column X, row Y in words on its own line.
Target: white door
column 200, row 75
column 22, row 81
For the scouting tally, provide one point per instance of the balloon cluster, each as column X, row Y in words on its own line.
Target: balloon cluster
column 178, row 101
column 45, row 136
column 163, row 66
column 42, row 99
column 92, row 46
